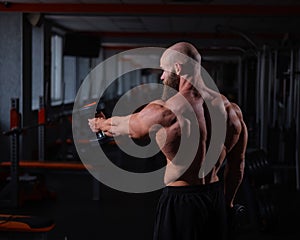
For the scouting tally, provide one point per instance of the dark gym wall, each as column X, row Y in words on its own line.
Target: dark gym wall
column 11, row 25
column 15, row 74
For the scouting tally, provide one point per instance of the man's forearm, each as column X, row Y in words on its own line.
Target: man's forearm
column 116, row 126
column 232, row 180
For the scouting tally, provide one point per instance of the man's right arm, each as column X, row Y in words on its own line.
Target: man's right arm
column 138, row 125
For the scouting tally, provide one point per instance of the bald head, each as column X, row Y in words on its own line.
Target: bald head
column 182, row 53
column 187, row 49
column 181, row 62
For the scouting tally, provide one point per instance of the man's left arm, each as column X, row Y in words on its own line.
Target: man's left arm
column 234, row 169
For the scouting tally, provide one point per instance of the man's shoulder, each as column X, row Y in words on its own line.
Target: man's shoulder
column 158, row 102
column 155, row 107
column 231, row 106
column 235, row 121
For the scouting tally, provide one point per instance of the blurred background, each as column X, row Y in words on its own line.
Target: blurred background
column 47, row 49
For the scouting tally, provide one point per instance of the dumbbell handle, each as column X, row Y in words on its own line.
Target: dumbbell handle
column 100, row 135
column 236, row 218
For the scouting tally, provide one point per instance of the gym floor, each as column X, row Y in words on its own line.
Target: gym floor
column 118, row 215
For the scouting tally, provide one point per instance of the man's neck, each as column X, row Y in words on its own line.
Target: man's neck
column 192, row 86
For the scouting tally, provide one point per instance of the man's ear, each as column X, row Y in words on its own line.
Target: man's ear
column 177, row 68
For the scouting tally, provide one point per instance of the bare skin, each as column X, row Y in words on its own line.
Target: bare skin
column 170, row 122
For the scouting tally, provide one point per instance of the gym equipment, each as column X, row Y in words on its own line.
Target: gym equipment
column 13, row 225
column 261, row 178
column 87, row 112
column 15, row 119
column 266, row 208
column 258, row 168
column 9, row 194
column 297, row 117
column 237, row 218
column 41, row 130
column 48, row 165
column 12, row 188
column 29, row 189
column 19, row 226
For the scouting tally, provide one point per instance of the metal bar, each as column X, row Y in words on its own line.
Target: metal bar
column 245, row 89
column 14, row 156
column 270, row 82
column 168, row 9
column 296, row 78
column 283, row 119
column 41, row 134
column 240, row 82
column 262, row 100
column 96, row 189
column 297, row 155
column 257, row 106
column 290, row 93
column 275, row 89
column 171, row 35
column 200, row 35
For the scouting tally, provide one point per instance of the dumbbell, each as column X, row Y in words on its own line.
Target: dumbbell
column 237, row 217
column 87, row 111
column 266, row 207
column 259, row 170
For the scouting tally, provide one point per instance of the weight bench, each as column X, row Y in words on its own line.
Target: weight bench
column 44, row 165
column 16, row 227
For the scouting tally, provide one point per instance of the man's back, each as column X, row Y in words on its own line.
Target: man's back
column 169, row 138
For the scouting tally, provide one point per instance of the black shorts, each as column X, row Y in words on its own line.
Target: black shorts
column 191, row 213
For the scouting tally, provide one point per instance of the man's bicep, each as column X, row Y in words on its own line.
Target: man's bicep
column 151, row 118
column 237, row 154
column 235, row 126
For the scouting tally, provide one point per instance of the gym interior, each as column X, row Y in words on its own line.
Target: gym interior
column 49, row 49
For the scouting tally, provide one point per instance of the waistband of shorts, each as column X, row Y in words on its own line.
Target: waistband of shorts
column 192, row 188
